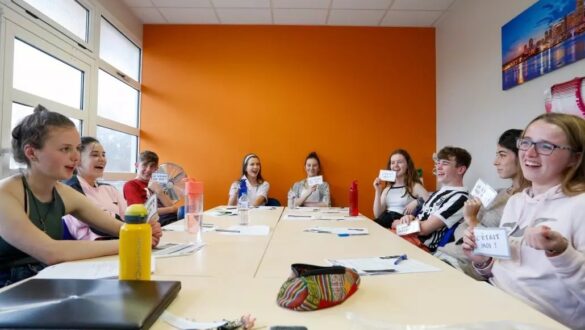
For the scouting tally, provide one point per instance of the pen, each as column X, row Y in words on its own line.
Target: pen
column 227, row 230
column 348, row 234
column 400, row 258
column 376, row 271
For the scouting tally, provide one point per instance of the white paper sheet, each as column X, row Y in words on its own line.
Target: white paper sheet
column 381, row 264
column 256, row 230
column 176, row 250
column 85, row 270
column 338, row 230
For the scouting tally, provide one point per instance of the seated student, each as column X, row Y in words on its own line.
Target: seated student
column 257, row 186
column 444, row 208
column 138, row 190
column 507, row 164
column 106, row 197
column 33, row 203
column 401, row 196
column 546, row 223
column 317, row 195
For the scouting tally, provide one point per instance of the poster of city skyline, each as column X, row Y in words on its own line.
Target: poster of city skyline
column 548, row 35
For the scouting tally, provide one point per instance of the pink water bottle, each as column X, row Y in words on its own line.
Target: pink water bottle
column 353, row 199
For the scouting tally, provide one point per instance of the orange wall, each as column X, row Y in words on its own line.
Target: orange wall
column 211, row 94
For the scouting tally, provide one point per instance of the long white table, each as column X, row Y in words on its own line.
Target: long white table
column 235, row 275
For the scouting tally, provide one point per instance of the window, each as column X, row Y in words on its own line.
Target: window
column 67, row 13
column 121, row 149
column 118, row 51
column 73, row 58
column 41, row 74
column 116, row 100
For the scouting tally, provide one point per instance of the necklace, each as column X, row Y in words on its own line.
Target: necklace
column 42, row 218
column 35, row 203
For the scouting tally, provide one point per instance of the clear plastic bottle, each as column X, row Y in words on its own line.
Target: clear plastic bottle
column 194, row 208
column 243, row 203
column 135, row 244
column 292, row 197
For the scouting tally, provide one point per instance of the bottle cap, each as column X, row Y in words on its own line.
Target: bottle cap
column 193, row 187
column 135, row 214
column 354, row 184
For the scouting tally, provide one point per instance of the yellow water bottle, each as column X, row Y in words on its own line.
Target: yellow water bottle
column 135, row 244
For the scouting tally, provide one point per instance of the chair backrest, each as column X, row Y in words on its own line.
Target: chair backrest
column 448, row 235
column 272, row 202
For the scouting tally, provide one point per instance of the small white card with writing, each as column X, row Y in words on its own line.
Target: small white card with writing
column 404, row 229
column 492, row 242
column 315, row 180
column 484, row 192
column 160, row 178
column 387, row 175
column 151, row 206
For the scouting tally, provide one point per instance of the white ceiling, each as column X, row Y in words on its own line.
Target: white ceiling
column 419, row 13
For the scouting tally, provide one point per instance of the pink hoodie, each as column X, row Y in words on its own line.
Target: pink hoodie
column 555, row 285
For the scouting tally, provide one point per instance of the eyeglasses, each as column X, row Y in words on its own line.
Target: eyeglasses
column 541, row 147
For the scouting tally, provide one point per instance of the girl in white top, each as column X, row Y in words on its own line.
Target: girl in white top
column 316, row 195
column 257, row 186
column 546, row 223
column 401, row 196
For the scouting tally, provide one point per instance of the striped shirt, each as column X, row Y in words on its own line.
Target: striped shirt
column 446, row 204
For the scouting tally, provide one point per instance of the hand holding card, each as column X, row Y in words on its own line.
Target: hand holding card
column 483, row 192
column 315, row 180
column 387, row 175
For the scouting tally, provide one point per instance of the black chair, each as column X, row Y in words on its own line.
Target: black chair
column 272, row 202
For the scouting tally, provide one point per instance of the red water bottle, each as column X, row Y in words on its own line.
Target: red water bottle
column 353, row 199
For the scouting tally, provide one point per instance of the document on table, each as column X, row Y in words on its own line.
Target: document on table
column 180, row 226
column 323, row 215
column 85, row 270
column 383, row 265
column 256, row 230
column 176, row 250
column 221, row 212
column 338, row 230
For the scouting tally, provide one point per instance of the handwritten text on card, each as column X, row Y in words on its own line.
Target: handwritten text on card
column 387, row 175
column 492, row 242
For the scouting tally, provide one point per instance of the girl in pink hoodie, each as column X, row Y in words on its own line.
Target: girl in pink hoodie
column 546, row 223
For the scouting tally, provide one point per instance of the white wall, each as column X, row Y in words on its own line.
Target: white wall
column 472, row 108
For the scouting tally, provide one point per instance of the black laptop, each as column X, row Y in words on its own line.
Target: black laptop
column 85, row 304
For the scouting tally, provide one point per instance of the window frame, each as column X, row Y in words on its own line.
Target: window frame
column 55, row 40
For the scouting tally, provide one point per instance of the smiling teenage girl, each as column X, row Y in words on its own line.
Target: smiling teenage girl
column 546, row 223
column 257, row 186
column 32, row 203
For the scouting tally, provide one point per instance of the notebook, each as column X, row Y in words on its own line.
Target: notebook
column 85, row 304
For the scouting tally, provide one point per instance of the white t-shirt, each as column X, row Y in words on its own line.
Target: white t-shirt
column 253, row 191
column 397, row 198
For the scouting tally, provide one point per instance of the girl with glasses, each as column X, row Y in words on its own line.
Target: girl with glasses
column 546, row 223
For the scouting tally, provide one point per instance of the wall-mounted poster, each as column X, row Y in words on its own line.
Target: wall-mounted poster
column 548, row 35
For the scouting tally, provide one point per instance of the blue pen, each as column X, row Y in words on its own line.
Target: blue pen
column 399, row 259
column 348, row 234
